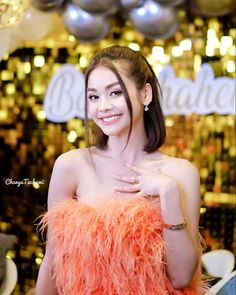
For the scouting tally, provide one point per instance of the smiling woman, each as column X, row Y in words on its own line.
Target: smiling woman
column 122, row 216
column 104, row 97
column 137, row 81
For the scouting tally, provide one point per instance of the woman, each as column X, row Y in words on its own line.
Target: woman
column 123, row 217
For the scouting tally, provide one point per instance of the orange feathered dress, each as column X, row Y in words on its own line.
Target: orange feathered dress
column 113, row 249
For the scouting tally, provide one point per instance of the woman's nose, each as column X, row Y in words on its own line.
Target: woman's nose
column 105, row 105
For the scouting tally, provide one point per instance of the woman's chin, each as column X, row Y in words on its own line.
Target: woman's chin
column 113, row 131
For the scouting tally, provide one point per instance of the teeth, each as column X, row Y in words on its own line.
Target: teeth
column 110, row 118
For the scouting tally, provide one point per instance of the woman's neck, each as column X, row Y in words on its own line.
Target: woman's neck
column 133, row 153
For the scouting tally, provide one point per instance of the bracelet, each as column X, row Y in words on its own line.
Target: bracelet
column 175, row 226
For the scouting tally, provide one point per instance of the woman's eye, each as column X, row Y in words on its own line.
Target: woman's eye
column 116, row 92
column 93, row 97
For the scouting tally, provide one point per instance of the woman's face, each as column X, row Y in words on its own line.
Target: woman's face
column 106, row 101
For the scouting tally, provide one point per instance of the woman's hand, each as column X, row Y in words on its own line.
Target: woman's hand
column 146, row 183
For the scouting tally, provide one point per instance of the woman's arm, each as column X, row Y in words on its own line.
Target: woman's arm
column 45, row 283
column 63, row 184
column 180, row 202
column 177, row 185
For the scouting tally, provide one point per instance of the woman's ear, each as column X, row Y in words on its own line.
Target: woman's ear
column 147, row 94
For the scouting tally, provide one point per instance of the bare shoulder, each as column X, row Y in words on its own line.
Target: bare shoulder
column 72, row 159
column 67, row 170
column 181, row 170
column 186, row 176
column 181, row 167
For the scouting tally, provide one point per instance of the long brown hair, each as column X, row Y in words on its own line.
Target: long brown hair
column 141, row 72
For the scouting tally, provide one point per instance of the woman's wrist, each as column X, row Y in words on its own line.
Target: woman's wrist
column 175, row 227
column 171, row 208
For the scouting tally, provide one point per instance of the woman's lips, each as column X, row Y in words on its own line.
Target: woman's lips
column 108, row 120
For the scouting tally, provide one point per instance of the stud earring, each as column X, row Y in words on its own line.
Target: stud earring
column 146, row 108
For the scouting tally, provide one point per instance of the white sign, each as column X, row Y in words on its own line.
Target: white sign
column 205, row 95
column 65, row 97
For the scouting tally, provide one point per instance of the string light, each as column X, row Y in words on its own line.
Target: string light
column 10, row 88
column 35, row 185
column 226, row 41
column 72, row 135
column 177, row 51
column 39, row 61
column 71, row 38
column 41, row 115
column 197, row 62
column 157, row 51
column 212, row 39
column 27, row 67
column 230, row 66
column 186, row 44
column 83, row 61
column 38, row 260
column 12, row 12
column 169, row 122
column 232, row 51
column 134, row 46
column 202, row 210
column 210, row 51
column 225, row 44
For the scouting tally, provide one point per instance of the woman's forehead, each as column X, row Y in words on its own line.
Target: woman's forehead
column 101, row 76
column 103, row 71
column 100, row 71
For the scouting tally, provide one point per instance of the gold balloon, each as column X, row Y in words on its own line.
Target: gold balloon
column 216, row 8
column 12, row 12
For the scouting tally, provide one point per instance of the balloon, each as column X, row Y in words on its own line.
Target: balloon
column 47, row 5
column 170, row 2
column 85, row 26
column 5, row 37
column 192, row 6
column 154, row 20
column 15, row 42
column 9, row 42
column 128, row 4
column 35, row 25
column 212, row 7
column 95, row 6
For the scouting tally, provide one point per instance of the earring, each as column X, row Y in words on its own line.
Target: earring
column 146, row 108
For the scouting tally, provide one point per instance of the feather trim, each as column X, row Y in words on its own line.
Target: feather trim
column 115, row 249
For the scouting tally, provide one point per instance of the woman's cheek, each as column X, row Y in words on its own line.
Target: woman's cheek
column 91, row 111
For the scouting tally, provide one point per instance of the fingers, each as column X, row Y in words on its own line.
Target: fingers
column 127, row 189
column 134, row 168
column 134, row 180
column 127, row 179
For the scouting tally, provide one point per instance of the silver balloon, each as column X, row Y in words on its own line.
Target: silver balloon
column 47, row 5
column 96, row 6
column 154, row 20
column 85, row 26
column 170, row 2
column 128, row 4
column 192, row 6
column 212, row 7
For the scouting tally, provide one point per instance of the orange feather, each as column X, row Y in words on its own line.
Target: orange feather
column 114, row 249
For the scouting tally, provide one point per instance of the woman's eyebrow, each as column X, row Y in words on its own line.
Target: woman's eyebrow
column 112, row 84
column 107, row 87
